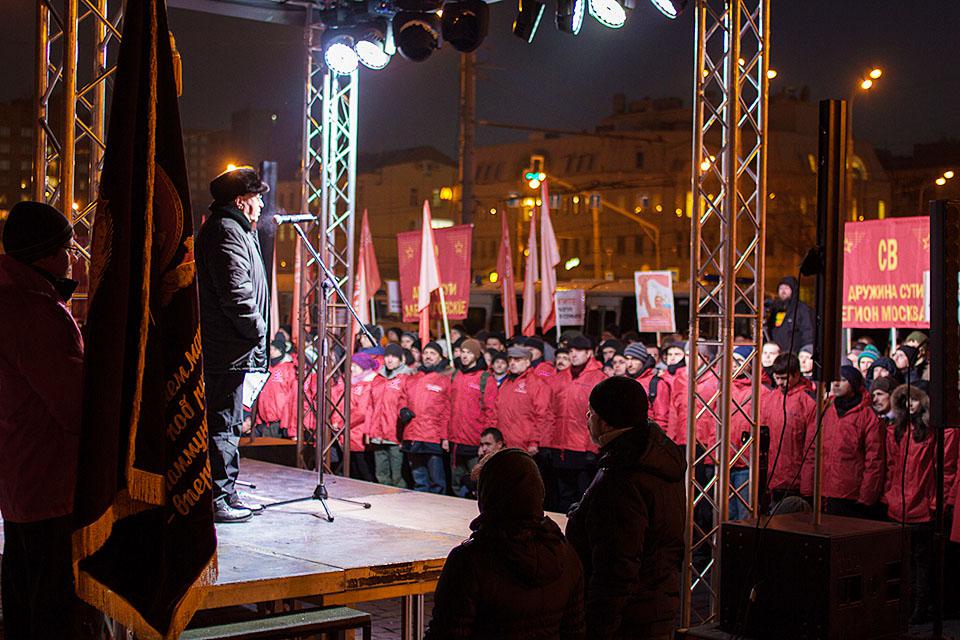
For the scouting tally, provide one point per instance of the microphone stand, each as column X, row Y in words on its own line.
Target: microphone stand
column 328, row 284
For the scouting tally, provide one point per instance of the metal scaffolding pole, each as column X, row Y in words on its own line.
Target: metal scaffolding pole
column 76, row 59
column 726, row 281
column 328, row 172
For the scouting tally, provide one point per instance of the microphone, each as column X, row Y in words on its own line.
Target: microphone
column 290, row 218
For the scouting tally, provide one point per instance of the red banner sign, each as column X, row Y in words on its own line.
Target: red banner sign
column 885, row 264
column 453, row 252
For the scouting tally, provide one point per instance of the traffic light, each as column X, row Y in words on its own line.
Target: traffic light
column 534, row 175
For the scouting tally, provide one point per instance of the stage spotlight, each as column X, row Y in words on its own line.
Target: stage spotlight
column 570, row 15
column 529, row 13
column 371, row 47
column 609, row 13
column 670, row 8
column 465, row 24
column 338, row 53
column 416, row 34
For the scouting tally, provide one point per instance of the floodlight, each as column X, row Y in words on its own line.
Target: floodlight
column 529, row 14
column 371, row 46
column 670, row 8
column 465, row 24
column 416, row 34
column 338, row 53
column 609, row 13
column 570, row 15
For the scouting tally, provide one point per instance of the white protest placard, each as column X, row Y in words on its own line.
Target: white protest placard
column 654, row 291
column 571, row 307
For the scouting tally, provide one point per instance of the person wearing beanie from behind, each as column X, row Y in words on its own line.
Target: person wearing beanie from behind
column 628, row 527
column 473, row 399
column 41, row 373
column 516, row 577
column 853, row 451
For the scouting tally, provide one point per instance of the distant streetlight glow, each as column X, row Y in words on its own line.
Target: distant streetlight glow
column 494, row 277
column 866, row 84
column 948, row 175
column 231, row 167
column 876, row 73
column 941, row 181
column 771, row 74
column 572, row 263
column 446, row 193
column 705, row 165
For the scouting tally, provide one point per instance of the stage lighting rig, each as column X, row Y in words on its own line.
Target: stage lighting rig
column 465, row 24
column 371, row 45
column 338, row 52
column 609, row 13
column 570, row 15
column 529, row 14
column 416, row 34
column 670, row 8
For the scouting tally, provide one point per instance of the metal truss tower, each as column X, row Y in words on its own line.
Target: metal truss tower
column 726, row 281
column 70, row 104
column 328, row 170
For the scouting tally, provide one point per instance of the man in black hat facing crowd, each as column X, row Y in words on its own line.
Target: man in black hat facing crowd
column 234, row 308
column 40, row 400
column 628, row 527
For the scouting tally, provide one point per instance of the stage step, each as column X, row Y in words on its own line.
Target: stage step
column 286, row 625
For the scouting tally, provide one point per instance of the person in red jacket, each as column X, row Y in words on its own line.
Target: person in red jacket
column 575, row 454
column 473, row 399
column 426, row 436
column 276, row 406
column 363, row 374
column 910, row 492
column 789, row 411
column 388, row 395
column 41, row 371
column 642, row 368
column 853, row 460
column 540, row 366
column 522, row 403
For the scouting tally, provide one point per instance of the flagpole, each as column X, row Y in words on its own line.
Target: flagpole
column 556, row 313
column 373, row 311
column 446, row 323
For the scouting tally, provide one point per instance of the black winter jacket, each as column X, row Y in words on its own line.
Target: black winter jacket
column 628, row 530
column 522, row 582
column 234, row 297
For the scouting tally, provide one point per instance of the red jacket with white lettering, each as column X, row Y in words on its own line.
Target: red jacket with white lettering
column 361, row 409
column 545, row 369
column 917, row 477
column 659, row 408
column 278, row 399
column 388, row 396
column 677, row 423
column 471, row 413
column 788, row 438
column 569, row 401
column 853, row 461
column 428, row 396
column 522, row 408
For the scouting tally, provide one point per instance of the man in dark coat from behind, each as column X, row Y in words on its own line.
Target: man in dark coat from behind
column 628, row 527
column 516, row 577
column 234, row 311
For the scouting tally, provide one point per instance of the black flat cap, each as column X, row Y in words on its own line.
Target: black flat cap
column 236, row 182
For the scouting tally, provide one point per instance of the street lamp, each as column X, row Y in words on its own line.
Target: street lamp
column 867, row 82
column 940, row 181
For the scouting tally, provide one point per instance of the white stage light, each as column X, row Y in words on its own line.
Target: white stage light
column 340, row 57
column 609, row 13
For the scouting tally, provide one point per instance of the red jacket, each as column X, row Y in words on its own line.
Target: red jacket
column 41, row 376
column 918, row 477
column 428, row 396
column 522, row 408
column 389, row 396
column 853, row 461
column 659, row 410
column 569, row 401
column 545, row 370
column 361, row 394
column 677, row 422
column 801, row 418
column 470, row 413
column 278, row 399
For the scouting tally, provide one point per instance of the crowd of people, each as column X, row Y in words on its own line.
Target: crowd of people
column 418, row 418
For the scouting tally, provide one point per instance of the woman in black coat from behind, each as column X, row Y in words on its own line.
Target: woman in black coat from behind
column 517, row 576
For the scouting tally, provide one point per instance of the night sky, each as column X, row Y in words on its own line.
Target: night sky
column 564, row 81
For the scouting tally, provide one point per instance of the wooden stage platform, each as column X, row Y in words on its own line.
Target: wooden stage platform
column 396, row 548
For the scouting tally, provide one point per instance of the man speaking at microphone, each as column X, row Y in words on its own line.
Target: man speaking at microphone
column 234, row 304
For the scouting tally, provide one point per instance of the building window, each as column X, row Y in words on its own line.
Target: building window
column 638, row 244
column 26, row 132
column 621, row 245
column 4, row 165
column 638, row 160
column 414, row 197
column 4, row 148
column 4, row 131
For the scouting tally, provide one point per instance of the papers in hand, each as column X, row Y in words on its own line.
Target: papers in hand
column 253, row 383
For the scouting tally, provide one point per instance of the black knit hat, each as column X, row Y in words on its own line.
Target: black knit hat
column 620, row 402
column 510, row 488
column 580, row 342
column 852, row 375
column 236, row 182
column 35, row 230
column 910, row 352
column 393, row 349
column 435, row 346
